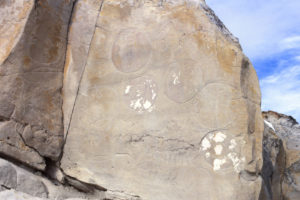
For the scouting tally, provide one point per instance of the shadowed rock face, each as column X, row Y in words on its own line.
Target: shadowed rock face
column 281, row 169
column 154, row 100
column 160, row 102
column 32, row 53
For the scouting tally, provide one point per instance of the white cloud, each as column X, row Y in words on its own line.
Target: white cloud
column 281, row 91
column 269, row 31
column 290, row 43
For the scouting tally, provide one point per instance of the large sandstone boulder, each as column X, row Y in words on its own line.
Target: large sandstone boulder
column 160, row 103
column 127, row 100
column 281, row 170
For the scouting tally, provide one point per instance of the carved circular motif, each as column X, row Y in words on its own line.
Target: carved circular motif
column 141, row 94
column 222, row 151
column 183, row 81
column 131, row 51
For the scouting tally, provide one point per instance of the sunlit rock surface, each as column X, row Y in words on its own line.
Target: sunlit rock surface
column 160, row 103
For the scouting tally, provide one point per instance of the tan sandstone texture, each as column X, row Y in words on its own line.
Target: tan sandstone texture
column 33, row 37
column 159, row 103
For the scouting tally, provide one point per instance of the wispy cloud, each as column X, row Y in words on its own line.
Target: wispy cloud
column 290, row 43
column 281, row 91
column 269, row 32
column 260, row 25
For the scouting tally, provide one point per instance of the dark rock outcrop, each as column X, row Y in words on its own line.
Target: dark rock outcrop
column 281, row 153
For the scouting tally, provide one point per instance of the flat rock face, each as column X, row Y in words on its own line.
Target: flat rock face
column 33, row 37
column 160, row 103
column 13, row 17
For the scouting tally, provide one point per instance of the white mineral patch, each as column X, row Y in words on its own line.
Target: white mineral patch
column 219, row 137
column 153, row 94
column 205, row 144
column 218, row 163
column 147, row 104
column 210, row 136
column 218, row 149
column 232, row 144
column 236, row 161
column 136, row 104
column 176, row 79
column 269, row 125
column 207, row 154
column 127, row 89
column 141, row 94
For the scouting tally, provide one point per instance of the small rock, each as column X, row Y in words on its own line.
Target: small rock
column 8, row 175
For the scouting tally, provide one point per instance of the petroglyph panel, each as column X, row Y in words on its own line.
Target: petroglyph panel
column 140, row 94
column 153, row 91
column 222, row 151
column 183, row 80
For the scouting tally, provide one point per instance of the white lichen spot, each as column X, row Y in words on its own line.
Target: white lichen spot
column 205, row 144
column 127, row 90
column 218, row 163
column 236, row 161
column 176, row 80
column 153, row 94
column 151, row 108
column 207, row 154
column 137, row 103
column 218, row 149
column 232, row 144
column 219, row 137
column 141, row 94
column 147, row 104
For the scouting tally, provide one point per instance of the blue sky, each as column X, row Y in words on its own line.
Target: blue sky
column 269, row 32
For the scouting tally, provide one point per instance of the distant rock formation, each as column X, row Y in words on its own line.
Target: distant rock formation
column 281, row 153
column 126, row 100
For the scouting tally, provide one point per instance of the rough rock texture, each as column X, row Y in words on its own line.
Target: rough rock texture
column 148, row 99
column 274, row 165
column 281, row 170
column 160, row 103
column 19, row 184
column 32, row 54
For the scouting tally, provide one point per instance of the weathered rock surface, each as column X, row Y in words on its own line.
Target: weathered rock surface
column 281, row 170
column 33, row 37
column 19, row 184
column 160, row 103
column 151, row 100
column 274, row 165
